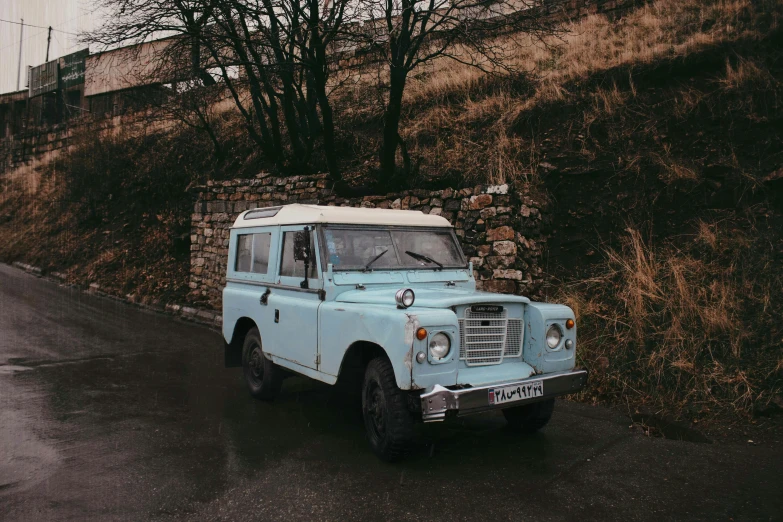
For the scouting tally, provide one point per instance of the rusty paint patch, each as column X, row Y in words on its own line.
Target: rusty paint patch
column 408, row 361
column 411, row 326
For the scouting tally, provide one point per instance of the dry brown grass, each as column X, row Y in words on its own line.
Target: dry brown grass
column 744, row 73
column 680, row 330
column 672, row 169
column 112, row 211
column 456, row 99
column 662, row 29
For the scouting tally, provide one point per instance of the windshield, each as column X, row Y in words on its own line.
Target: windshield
column 389, row 248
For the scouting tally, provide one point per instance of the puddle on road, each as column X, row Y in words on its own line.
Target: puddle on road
column 11, row 368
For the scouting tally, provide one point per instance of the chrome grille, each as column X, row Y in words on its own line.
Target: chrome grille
column 513, row 338
column 488, row 338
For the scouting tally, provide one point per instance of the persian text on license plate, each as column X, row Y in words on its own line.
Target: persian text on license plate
column 517, row 392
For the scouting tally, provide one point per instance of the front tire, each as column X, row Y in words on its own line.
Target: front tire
column 263, row 378
column 530, row 418
column 387, row 421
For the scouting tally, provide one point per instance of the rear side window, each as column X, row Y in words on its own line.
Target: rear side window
column 261, row 244
column 244, row 252
column 291, row 268
column 253, row 253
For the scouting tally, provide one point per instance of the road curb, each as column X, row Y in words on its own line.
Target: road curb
column 188, row 313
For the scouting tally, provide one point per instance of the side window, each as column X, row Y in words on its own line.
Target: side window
column 291, row 268
column 261, row 244
column 253, row 253
column 244, row 251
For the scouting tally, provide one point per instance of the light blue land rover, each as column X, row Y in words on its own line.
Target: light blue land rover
column 386, row 299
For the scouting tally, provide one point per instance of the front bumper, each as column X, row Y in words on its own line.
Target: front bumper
column 466, row 401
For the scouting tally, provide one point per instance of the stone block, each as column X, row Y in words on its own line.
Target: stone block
column 497, row 189
column 498, row 286
column 480, row 201
column 488, row 212
column 452, row 205
column 500, row 261
column 516, row 275
column 500, row 234
column 504, row 248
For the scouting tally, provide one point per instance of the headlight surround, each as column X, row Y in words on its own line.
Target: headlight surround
column 405, row 298
column 440, row 346
column 553, row 336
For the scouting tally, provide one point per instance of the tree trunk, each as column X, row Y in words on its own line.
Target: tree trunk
column 391, row 122
column 319, row 79
column 329, row 146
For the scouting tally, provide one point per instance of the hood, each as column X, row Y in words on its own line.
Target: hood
column 428, row 297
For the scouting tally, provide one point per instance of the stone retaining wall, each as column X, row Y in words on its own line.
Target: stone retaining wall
column 35, row 146
column 500, row 226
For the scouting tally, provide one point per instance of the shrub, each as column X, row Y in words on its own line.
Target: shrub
column 687, row 329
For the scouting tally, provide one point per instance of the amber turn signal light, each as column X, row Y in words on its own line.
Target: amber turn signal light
column 421, row 334
column 570, row 323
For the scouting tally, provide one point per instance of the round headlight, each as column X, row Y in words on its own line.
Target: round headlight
column 440, row 345
column 553, row 336
column 405, row 298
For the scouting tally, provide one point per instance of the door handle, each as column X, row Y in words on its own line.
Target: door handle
column 265, row 297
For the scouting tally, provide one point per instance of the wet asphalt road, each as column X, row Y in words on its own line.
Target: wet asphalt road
column 112, row 413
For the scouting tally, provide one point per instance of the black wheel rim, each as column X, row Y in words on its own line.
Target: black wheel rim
column 256, row 365
column 376, row 410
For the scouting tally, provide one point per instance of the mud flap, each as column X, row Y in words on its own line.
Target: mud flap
column 232, row 355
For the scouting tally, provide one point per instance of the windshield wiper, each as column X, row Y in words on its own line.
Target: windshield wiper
column 422, row 257
column 373, row 260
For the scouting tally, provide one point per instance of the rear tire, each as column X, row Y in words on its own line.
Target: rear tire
column 387, row 421
column 530, row 418
column 263, row 377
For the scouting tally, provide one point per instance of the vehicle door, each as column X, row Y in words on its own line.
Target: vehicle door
column 295, row 299
column 250, row 276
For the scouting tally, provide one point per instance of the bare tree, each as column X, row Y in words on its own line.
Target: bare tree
column 406, row 34
column 270, row 56
column 275, row 58
column 194, row 103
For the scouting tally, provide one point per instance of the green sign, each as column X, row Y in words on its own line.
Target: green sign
column 72, row 68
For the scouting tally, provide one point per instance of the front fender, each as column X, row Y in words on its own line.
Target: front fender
column 538, row 317
column 343, row 324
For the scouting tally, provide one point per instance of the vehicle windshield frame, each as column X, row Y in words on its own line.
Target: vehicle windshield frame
column 392, row 228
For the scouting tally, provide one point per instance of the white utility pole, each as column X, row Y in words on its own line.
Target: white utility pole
column 19, row 69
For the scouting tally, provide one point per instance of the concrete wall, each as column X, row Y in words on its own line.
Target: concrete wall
column 501, row 227
column 126, row 67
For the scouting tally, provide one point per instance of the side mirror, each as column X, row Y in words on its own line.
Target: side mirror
column 302, row 246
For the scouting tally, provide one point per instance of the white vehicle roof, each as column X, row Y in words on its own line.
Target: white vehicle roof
column 296, row 214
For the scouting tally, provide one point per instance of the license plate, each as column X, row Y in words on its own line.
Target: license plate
column 486, row 309
column 517, row 392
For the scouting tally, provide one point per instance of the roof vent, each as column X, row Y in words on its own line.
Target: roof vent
column 262, row 213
